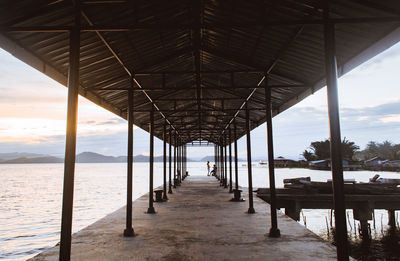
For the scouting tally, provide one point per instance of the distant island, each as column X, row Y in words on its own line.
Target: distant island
column 24, row 160
column 84, row 157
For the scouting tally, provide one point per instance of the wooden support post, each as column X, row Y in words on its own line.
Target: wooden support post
column 151, row 210
column 392, row 218
column 170, row 161
column 274, row 231
column 70, row 143
column 236, row 159
column 128, row 232
column 363, row 213
column 249, row 170
column 292, row 210
column 334, row 124
column 230, row 161
column 165, row 197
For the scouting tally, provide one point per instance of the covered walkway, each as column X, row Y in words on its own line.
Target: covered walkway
column 198, row 223
column 198, row 71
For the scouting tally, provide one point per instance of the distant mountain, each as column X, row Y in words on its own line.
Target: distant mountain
column 141, row 158
column 84, row 157
column 24, row 160
column 16, row 155
column 91, row 157
column 211, row 159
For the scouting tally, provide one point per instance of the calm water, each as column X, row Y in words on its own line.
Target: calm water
column 31, row 194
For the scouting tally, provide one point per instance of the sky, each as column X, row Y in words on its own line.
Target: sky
column 33, row 114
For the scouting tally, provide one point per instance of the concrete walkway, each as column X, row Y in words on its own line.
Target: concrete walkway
column 197, row 223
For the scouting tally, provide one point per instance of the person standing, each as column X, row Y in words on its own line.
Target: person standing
column 208, row 168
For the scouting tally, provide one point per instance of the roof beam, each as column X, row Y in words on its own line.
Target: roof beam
column 207, row 26
column 197, row 14
column 246, row 63
column 145, row 72
column 35, row 12
column 275, row 86
column 131, row 75
column 169, row 57
column 270, row 67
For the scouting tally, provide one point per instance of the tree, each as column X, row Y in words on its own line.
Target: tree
column 308, row 155
column 349, row 148
column 385, row 150
column 320, row 150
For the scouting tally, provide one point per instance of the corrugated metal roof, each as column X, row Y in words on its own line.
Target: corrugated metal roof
column 237, row 43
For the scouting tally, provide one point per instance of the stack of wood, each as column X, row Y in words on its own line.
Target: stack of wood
column 374, row 187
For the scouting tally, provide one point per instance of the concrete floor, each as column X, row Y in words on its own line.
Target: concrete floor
column 197, row 223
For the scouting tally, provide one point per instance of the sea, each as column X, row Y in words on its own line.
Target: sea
column 31, row 199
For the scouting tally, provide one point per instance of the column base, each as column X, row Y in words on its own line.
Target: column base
column 170, row 191
column 251, row 211
column 274, row 232
column 128, row 232
column 237, row 200
column 165, row 198
column 151, row 210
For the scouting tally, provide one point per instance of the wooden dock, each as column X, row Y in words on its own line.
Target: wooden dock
column 362, row 198
column 197, row 223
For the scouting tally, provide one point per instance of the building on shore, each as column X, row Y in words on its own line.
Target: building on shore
column 282, row 162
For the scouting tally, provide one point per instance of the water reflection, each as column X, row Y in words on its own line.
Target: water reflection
column 30, row 202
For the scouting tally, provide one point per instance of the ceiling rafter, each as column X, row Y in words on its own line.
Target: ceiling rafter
column 130, row 74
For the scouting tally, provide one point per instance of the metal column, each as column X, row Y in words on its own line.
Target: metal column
column 128, row 232
column 221, row 153
column 151, row 199
column 170, row 161
column 251, row 206
column 184, row 161
column 175, row 170
column 215, row 155
column 179, row 163
column 236, row 158
column 70, row 143
column 226, row 164
column 217, row 162
column 230, row 161
column 165, row 160
column 334, row 125
column 274, row 231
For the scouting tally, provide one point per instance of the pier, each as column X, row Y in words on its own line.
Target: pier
column 198, row 71
column 199, row 222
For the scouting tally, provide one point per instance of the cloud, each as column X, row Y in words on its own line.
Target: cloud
column 393, row 118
